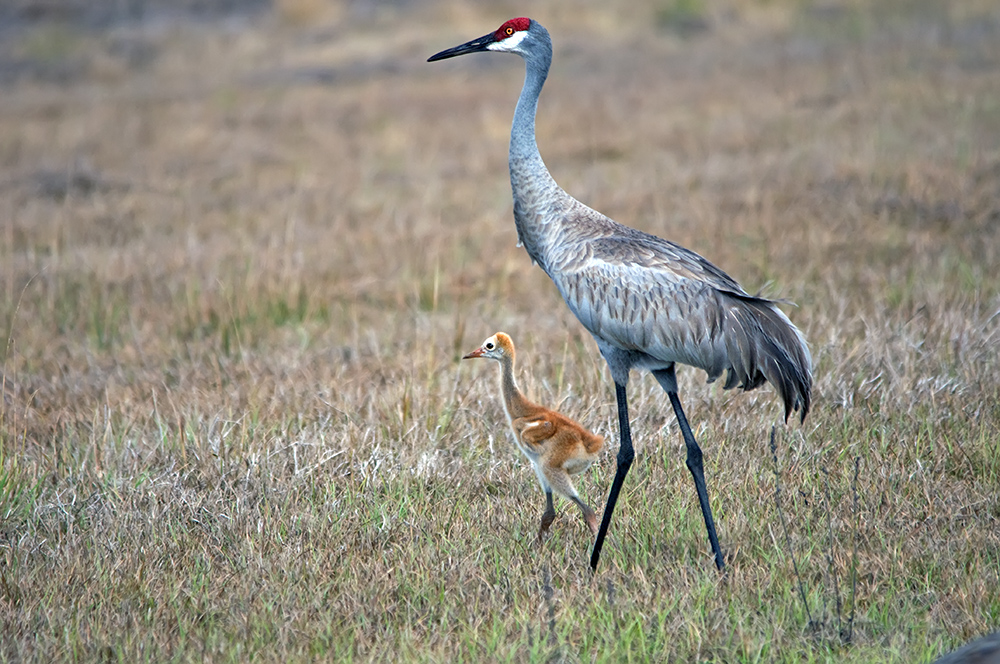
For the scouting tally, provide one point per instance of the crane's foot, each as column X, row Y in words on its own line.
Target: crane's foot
column 588, row 515
column 547, row 518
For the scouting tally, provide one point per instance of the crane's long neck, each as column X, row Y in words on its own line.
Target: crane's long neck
column 533, row 188
column 513, row 401
column 523, row 147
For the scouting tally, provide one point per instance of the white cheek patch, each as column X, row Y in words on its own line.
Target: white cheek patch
column 510, row 43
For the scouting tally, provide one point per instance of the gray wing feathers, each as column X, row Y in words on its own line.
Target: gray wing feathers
column 762, row 344
column 668, row 318
column 670, row 305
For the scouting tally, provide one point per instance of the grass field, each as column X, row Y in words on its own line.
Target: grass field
column 241, row 258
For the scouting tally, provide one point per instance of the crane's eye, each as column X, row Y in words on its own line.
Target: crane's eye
column 509, row 31
column 489, row 345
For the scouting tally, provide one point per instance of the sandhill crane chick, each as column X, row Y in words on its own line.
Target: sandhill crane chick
column 556, row 446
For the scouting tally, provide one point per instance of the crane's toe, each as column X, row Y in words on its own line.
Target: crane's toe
column 547, row 518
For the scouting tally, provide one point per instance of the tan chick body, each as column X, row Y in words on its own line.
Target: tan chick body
column 556, row 446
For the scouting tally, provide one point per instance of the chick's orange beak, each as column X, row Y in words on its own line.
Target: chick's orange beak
column 476, row 353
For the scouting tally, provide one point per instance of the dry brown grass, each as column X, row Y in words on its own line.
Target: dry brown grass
column 238, row 266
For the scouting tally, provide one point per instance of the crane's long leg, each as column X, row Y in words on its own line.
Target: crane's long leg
column 698, row 473
column 625, row 456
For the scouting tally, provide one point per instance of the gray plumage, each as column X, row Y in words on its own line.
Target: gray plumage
column 985, row 650
column 648, row 302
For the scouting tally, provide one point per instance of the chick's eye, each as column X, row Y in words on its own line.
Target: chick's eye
column 489, row 346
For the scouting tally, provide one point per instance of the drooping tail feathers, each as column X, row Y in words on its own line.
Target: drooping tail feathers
column 764, row 345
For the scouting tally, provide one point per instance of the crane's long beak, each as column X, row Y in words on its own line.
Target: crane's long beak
column 476, row 353
column 473, row 46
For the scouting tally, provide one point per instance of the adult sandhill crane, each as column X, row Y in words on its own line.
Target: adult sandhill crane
column 556, row 446
column 649, row 303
